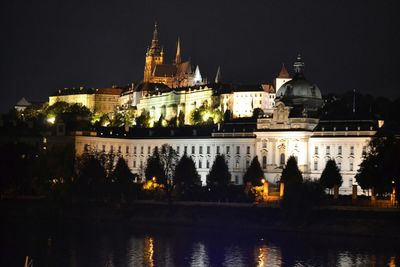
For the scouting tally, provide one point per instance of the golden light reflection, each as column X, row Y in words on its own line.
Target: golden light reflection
column 392, row 262
column 262, row 256
column 149, row 251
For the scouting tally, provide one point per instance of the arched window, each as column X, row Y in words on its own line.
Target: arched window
column 264, row 162
column 282, row 159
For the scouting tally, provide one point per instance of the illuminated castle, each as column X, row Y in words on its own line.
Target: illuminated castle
column 177, row 74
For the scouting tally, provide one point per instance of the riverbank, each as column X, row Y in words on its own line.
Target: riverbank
column 330, row 220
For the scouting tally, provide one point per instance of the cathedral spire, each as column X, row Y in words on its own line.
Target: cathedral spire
column 218, row 75
column 154, row 41
column 178, row 52
column 197, row 75
column 283, row 74
column 298, row 66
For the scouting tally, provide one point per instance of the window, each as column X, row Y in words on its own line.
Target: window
column 315, row 165
column 119, row 149
column 247, row 163
column 339, row 165
column 352, row 150
column 134, row 150
column 86, row 148
column 237, row 164
column 282, row 159
column 207, row 164
column 185, row 149
column 201, row 150
column 141, row 164
column 264, row 144
column 141, row 150
column 228, row 150
column 248, row 150
column 316, row 150
column 339, row 150
column 111, row 148
column 217, row 150
column 193, row 150
column 328, row 150
column 148, row 150
column 200, row 164
column 127, row 149
column 178, row 149
column 351, row 166
column 264, row 162
column 237, row 150
column 134, row 164
column 208, row 149
column 364, row 150
column 104, row 148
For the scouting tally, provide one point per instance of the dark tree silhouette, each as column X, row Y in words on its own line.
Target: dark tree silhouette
column 291, row 174
column 121, row 173
column 91, row 176
column 331, row 175
column 154, row 168
column 254, row 173
column 186, row 178
column 219, row 175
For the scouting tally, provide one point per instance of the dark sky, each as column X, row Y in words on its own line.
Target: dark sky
column 51, row 44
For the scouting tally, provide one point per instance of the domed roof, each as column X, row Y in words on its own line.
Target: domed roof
column 300, row 93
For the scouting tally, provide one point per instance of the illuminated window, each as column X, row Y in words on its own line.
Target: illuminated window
column 352, row 150
column 328, row 150
column 339, row 150
column 264, row 162
column 282, row 159
column 248, row 150
column 237, row 150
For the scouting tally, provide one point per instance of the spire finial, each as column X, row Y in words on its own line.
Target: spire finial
column 218, row 75
column 154, row 41
column 298, row 65
column 178, row 52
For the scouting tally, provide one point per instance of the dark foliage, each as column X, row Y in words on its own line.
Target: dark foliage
column 291, row 174
column 186, row 178
column 254, row 173
column 331, row 175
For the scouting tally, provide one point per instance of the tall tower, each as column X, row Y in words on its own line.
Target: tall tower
column 282, row 78
column 178, row 52
column 154, row 56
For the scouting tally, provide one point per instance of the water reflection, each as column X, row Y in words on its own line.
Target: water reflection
column 176, row 247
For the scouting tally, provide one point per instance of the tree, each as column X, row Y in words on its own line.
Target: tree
column 219, row 175
column 380, row 168
column 331, row 175
column 257, row 112
column 227, row 115
column 154, row 168
column 142, row 121
column 181, row 119
column 91, row 175
column 254, row 174
column 121, row 173
column 186, row 176
column 291, row 175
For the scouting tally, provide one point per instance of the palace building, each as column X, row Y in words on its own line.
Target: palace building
column 291, row 128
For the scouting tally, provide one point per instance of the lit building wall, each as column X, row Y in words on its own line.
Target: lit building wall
column 245, row 102
column 86, row 100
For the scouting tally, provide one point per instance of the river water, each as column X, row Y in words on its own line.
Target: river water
column 117, row 245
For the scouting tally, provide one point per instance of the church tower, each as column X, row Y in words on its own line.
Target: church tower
column 282, row 78
column 154, row 56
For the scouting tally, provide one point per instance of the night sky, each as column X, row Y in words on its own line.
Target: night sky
column 48, row 44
